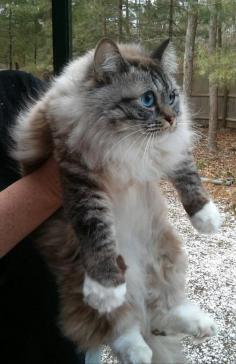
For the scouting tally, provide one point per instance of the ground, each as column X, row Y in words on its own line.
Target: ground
column 211, row 282
column 212, row 259
column 211, row 277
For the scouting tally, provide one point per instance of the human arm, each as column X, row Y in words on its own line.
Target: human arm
column 27, row 203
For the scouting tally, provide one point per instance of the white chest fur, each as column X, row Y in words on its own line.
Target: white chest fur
column 137, row 209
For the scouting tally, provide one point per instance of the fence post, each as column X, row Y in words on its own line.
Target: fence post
column 225, row 107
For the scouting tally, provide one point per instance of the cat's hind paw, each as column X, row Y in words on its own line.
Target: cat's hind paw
column 132, row 349
column 101, row 298
column 138, row 354
column 193, row 321
column 208, row 219
column 203, row 326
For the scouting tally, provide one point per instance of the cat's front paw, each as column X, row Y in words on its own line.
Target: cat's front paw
column 208, row 219
column 101, row 298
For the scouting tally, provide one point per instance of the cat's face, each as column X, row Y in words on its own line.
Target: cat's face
column 138, row 93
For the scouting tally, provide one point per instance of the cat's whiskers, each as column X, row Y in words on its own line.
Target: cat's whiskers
column 119, row 142
column 130, row 147
column 139, row 150
column 131, row 127
column 153, row 139
column 145, row 150
column 150, row 143
column 153, row 136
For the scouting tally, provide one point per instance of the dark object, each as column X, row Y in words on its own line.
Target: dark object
column 15, row 89
column 62, row 33
column 28, row 295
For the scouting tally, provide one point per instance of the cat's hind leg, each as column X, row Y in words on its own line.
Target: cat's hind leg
column 189, row 319
column 166, row 350
column 131, row 347
column 172, row 313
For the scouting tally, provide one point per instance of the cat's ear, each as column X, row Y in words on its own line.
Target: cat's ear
column 108, row 60
column 165, row 54
column 159, row 52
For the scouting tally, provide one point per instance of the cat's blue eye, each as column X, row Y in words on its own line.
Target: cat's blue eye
column 148, row 99
column 172, row 96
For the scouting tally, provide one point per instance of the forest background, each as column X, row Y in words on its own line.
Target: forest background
column 26, row 35
column 203, row 33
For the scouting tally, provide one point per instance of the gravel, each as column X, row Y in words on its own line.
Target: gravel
column 211, row 282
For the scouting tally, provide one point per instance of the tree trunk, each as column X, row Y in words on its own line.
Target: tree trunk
column 138, row 7
column 35, row 42
column 120, row 22
column 213, row 90
column 225, row 107
column 219, row 33
column 223, row 122
column 104, row 18
column 127, row 17
column 171, row 11
column 10, row 39
column 189, row 50
column 104, row 26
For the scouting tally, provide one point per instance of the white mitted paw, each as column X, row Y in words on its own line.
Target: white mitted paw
column 138, row 354
column 195, row 322
column 104, row 299
column 208, row 219
column 132, row 349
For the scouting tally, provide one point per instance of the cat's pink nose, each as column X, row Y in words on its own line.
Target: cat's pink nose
column 170, row 119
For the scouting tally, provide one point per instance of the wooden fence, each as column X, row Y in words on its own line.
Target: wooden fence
column 199, row 103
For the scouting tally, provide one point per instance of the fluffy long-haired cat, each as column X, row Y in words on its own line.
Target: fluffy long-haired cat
column 117, row 123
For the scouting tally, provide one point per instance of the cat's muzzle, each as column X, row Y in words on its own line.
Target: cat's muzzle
column 161, row 125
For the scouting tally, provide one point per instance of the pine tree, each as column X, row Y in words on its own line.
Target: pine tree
column 189, row 47
column 213, row 89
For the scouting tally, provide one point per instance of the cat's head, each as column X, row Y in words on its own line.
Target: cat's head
column 129, row 106
column 137, row 85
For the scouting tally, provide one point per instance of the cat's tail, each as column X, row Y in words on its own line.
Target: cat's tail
column 167, row 350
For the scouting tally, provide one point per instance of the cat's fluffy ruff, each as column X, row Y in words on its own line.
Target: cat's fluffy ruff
column 114, row 169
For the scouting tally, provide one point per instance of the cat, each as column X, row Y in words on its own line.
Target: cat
column 116, row 122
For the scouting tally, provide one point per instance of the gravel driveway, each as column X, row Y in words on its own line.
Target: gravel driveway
column 211, row 282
